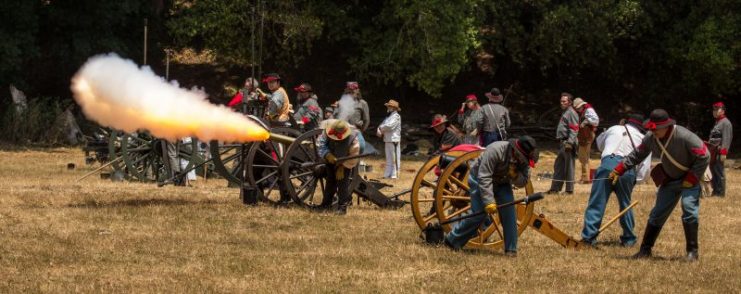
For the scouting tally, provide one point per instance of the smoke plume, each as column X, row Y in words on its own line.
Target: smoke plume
column 346, row 107
column 116, row 93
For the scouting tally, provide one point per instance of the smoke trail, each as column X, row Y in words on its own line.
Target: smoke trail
column 116, row 93
column 347, row 103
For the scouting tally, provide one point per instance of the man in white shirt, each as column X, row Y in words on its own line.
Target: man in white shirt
column 390, row 131
column 615, row 143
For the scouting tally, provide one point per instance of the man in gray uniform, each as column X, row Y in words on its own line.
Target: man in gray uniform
column 568, row 126
column 502, row 164
column 684, row 158
column 309, row 114
column 360, row 117
column 720, row 141
column 495, row 119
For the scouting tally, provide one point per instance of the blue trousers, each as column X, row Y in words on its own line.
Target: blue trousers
column 719, row 178
column 668, row 196
column 601, row 190
column 489, row 137
column 467, row 229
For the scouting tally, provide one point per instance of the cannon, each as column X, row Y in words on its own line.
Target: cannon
column 440, row 201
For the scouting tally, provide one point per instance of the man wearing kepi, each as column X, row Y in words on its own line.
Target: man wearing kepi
column 390, row 131
column 684, row 158
column 502, row 164
column 309, row 114
column 563, row 167
column 279, row 107
column 720, row 141
column 338, row 140
column 494, row 119
column 616, row 143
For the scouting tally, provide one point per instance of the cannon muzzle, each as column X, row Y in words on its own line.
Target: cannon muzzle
column 281, row 138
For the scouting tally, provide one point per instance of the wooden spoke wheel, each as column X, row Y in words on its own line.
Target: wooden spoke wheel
column 452, row 199
column 114, row 153
column 227, row 162
column 301, row 176
column 145, row 157
column 422, row 199
column 264, row 161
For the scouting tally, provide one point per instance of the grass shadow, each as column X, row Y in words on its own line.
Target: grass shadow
column 141, row 203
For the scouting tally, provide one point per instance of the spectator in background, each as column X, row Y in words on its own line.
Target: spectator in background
column 469, row 117
column 494, row 120
column 390, row 131
column 563, row 168
column 588, row 122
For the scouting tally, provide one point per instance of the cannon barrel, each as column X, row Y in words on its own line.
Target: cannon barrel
column 281, row 138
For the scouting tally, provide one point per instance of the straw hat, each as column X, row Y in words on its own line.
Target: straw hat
column 578, row 102
column 393, row 104
column 338, row 130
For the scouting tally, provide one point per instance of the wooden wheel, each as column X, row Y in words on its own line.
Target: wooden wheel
column 114, row 152
column 452, row 199
column 422, row 198
column 300, row 175
column 227, row 162
column 145, row 158
column 264, row 160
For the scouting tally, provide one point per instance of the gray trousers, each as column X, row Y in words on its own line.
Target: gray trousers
column 563, row 170
column 171, row 158
column 719, row 178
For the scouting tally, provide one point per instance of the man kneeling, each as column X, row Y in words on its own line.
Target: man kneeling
column 502, row 164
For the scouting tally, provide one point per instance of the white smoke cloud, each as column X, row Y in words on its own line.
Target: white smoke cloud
column 117, row 93
column 346, row 105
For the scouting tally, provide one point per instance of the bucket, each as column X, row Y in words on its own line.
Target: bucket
column 434, row 234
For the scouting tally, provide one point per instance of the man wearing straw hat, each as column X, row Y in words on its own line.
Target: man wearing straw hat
column 588, row 122
column 616, row 142
column 390, row 131
column 503, row 164
column 684, row 158
column 339, row 139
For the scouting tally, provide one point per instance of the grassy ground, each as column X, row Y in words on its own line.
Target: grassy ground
column 60, row 235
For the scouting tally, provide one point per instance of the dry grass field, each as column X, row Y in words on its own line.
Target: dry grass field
column 60, row 235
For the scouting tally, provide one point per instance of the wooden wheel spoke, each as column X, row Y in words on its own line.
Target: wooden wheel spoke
column 430, row 217
column 301, row 175
column 426, row 200
column 266, row 155
column 459, row 183
column 265, row 166
column 428, row 184
column 458, row 212
column 266, row 177
column 456, row 197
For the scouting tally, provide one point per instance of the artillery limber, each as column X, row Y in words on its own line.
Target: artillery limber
column 440, row 197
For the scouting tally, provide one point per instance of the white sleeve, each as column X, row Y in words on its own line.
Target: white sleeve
column 592, row 117
column 643, row 169
column 601, row 139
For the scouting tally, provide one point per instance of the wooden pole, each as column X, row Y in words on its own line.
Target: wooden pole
column 101, row 167
column 145, row 41
column 621, row 213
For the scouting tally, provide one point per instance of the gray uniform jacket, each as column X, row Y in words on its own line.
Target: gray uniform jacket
column 685, row 147
column 470, row 120
column 721, row 135
column 493, row 169
column 310, row 109
column 360, row 116
column 568, row 126
column 493, row 115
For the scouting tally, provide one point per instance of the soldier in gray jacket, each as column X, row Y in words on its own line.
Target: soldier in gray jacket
column 469, row 117
column 684, row 158
column 503, row 164
column 568, row 127
column 494, row 119
column 360, row 116
column 309, row 114
column 720, row 140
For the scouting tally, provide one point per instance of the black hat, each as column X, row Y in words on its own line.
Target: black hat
column 495, row 91
column 659, row 119
column 526, row 146
column 636, row 120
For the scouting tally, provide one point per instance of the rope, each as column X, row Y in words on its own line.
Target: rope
column 565, row 181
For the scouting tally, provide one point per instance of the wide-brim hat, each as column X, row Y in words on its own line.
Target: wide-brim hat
column 526, row 149
column 578, row 102
column 659, row 119
column 393, row 104
column 438, row 121
column 338, row 130
column 495, row 95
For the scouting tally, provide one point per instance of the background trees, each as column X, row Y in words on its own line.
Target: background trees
column 625, row 53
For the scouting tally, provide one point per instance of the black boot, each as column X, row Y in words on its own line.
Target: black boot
column 690, row 236
column 649, row 239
